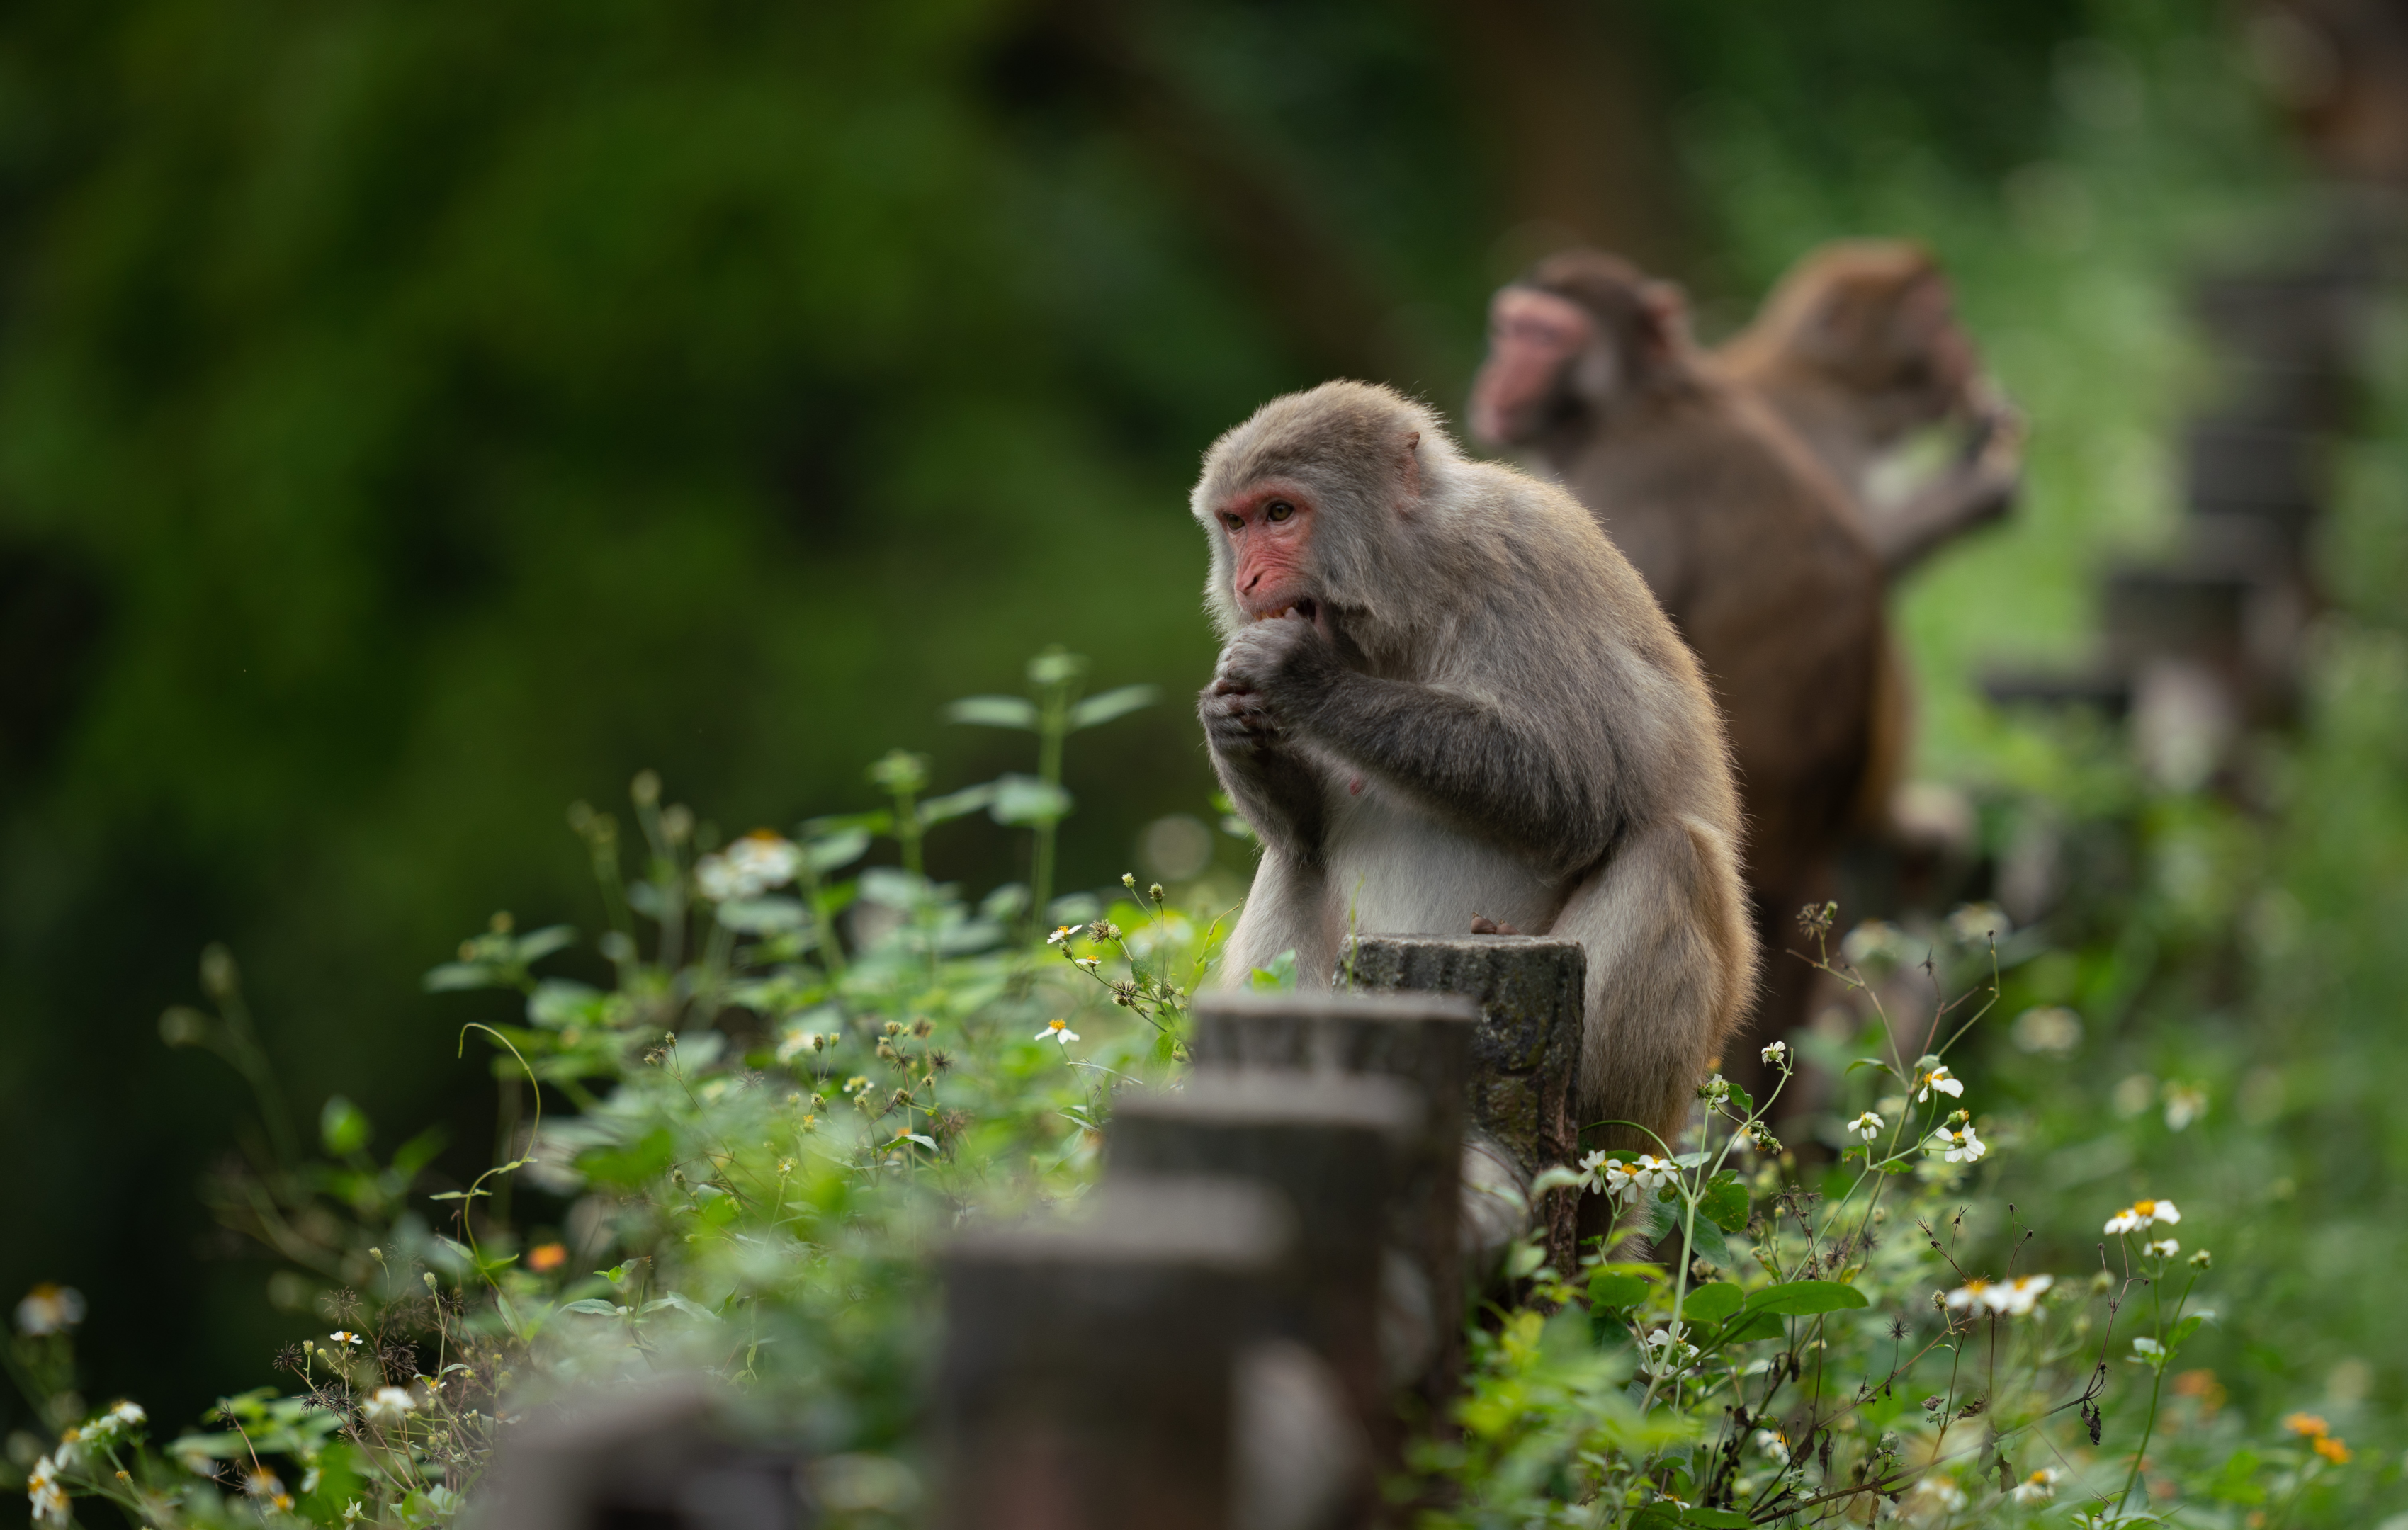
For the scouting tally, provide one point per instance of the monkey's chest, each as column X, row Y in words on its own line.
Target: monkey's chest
column 1396, row 870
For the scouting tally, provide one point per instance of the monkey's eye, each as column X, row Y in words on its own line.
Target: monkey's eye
column 1235, row 522
column 1278, row 509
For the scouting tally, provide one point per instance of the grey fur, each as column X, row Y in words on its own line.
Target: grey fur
column 1496, row 720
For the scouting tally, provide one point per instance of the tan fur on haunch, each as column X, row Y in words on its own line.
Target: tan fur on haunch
column 1487, row 716
column 1856, row 348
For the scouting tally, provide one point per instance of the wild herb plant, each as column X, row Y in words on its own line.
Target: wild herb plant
column 735, row 1154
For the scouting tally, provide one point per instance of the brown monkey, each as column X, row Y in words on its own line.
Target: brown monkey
column 1857, row 348
column 1444, row 692
column 1747, row 540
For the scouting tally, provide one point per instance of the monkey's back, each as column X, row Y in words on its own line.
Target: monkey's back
column 1751, row 547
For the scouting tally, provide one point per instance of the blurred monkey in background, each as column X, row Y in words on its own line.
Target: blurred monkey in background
column 1752, row 547
column 1859, row 348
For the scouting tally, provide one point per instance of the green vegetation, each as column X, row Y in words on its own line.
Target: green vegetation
column 413, row 419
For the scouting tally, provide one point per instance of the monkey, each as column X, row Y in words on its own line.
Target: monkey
column 1441, row 692
column 1858, row 347
column 1747, row 540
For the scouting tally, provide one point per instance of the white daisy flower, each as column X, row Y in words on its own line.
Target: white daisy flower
column 127, row 1415
column 49, row 1500
column 388, row 1405
column 2165, row 1248
column 1959, row 1146
column 1975, row 923
column 2146, row 1347
column 259, row 1482
column 1777, row 1054
column 1062, row 932
column 1666, row 1352
column 49, row 1310
column 344, row 1336
column 2039, row 1488
column 1866, row 1127
column 1628, row 1182
column 2143, row 1214
column 1772, row 1445
column 1057, row 1030
column 1938, row 1078
column 760, row 860
column 2185, row 1104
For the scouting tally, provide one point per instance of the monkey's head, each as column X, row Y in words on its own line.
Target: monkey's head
column 1572, row 341
column 1874, row 319
column 1317, row 503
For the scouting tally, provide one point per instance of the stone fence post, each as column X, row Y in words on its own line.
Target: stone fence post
column 1423, row 1041
column 1091, row 1374
column 1530, row 994
column 1330, row 1145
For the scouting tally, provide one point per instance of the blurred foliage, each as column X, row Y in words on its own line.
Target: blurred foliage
column 413, row 418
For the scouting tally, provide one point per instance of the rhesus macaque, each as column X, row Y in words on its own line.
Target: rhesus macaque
column 1747, row 540
column 1858, row 348
column 1445, row 694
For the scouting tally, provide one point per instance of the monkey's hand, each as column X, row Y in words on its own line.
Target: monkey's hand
column 1250, row 714
column 1287, row 663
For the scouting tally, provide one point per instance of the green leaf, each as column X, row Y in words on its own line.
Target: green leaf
column 1719, row 1519
column 1805, row 1298
column 1751, row 1327
column 342, row 1126
column 2183, row 1329
column 452, row 976
column 969, row 799
column 1711, row 1303
column 761, row 916
column 1024, row 799
column 994, row 712
column 1726, row 1201
column 691, row 1309
column 1741, row 1100
column 1871, row 1062
column 418, row 1152
column 593, row 1307
column 557, row 1002
column 841, row 848
column 1109, row 705
column 1277, row 978
column 1706, row 1243
column 1656, row 1517
column 538, row 944
column 636, row 1163
column 1616, row 1289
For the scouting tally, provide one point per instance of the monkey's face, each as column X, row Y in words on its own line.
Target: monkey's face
column 1269, row 527
column 1542, row 353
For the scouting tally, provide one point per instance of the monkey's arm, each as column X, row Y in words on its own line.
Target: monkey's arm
column 1468, row 758
column 1277, row 790
column 1977, row 489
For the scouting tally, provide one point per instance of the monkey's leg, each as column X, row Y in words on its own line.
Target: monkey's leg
column 1672, row 965
column 1287, row 909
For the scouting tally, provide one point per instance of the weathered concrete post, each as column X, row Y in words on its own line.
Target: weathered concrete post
column 1330, row 1145
column 1090, row 1376
column 1422, row 1040
column 1526, row 1049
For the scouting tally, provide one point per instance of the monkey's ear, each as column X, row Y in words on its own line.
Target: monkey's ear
column 1410, row 474
column 1667, row 317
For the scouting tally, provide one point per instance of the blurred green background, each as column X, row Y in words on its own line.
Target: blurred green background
column 416, row 417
